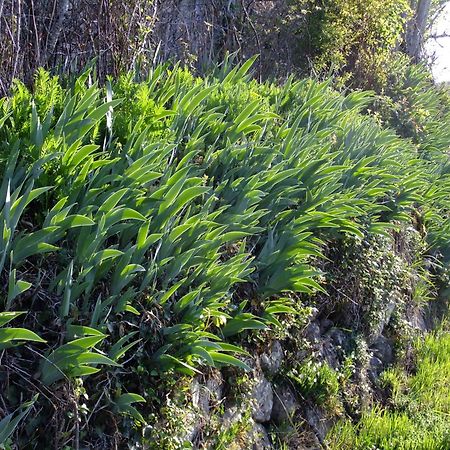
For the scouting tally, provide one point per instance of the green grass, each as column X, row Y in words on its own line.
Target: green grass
column 317, row 381
column 418, row 417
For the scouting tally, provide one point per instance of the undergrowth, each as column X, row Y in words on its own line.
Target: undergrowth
column 146, row 224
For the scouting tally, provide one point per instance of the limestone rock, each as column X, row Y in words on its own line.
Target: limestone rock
column 330, row 353
column 271, row 361
column 192, row 424
column 231, row 416
column 258, row 438
column 262, row 400
column 284, row 405
column 382, row 349
column 318, row 421
column 253, row 435
column 312, row 332
column 375, row 368
column 314, row 313
column 388, row 310
column 325, row 325
column 205, row 395
column 338, row 337
column 335, row 345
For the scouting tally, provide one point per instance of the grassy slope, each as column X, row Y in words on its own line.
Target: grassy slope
column 144, row 226
column 418, row 414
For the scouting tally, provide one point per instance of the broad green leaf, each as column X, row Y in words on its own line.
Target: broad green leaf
column 76, row 331
column 119, row 349
column 228, row 360
column 10, row 422
column 237, row 325
column 7, row 335
column 7, row 316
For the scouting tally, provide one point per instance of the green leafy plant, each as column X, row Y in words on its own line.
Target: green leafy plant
column 10, row 423
column 10, row 337
column 159, row 220
column 75, row 359
column 317, row 380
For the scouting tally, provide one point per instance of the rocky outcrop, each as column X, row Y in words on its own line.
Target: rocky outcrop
column 272, row 359
column 285, row 404
column 262, row 400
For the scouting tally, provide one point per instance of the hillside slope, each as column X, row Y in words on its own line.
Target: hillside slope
column 200, row 262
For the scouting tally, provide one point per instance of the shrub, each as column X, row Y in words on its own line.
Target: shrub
column 317, row 381
column 355, row 39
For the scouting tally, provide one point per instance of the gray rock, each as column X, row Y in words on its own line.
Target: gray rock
column 312, row 332
column 231, row 416
column 314, row 313
column 205, row 395
column 196, row 389
column 255, row 438
column 330, row 353
column 262, row 399
column 284, row 404
column 252, row 362
column 338, row 337
column 213, row 391
column 192, row 423
column 335, row 343
column 317, row 420
column 376, row 364
column 417, row 319
column 325, row 325
column 375, row 368
column 387, row 312
column 258, row 438
column 301, row 355
column 382, row 349
column 271, row 361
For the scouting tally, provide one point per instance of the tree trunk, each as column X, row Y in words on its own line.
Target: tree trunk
column 415, row 35
column 196, row 32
